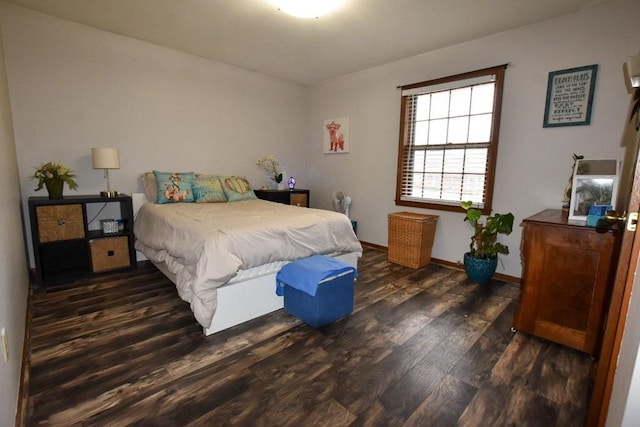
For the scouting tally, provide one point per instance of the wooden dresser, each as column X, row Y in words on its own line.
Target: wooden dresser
column 567, row 273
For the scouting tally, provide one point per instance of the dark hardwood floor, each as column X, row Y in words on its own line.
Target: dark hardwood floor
column 422, row 348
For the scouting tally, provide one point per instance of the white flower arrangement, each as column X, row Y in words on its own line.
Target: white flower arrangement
column 270, row 165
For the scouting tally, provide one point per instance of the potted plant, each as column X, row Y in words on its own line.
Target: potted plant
column 53, row 175
column 270, row 165
column 482, row 259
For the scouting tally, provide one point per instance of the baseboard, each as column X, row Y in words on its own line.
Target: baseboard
column 456, row 265
column 22, row 407
column 373, row 246
column 459, row 266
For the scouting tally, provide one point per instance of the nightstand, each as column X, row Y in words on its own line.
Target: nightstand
column 288, row 197
column 66, row 247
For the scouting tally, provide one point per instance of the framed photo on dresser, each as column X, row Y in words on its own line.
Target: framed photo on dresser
column 595, row 182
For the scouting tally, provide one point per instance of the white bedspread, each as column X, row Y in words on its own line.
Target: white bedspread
column 205, row 244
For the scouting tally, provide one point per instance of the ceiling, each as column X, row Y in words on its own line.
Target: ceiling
column 254, row 35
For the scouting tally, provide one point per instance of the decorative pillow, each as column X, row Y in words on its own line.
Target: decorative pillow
column 174, row 187
column 150, row 187
column 208, row 189
column 237, row 188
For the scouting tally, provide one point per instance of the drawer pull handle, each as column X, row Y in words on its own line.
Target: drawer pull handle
column 61, row 222
column 110, row 253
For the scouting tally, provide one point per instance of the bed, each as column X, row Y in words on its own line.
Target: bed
column 223, row 257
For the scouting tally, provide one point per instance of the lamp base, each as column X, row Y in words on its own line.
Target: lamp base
column 109, row 194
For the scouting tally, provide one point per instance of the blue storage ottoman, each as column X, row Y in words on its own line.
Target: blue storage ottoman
column 317, row 290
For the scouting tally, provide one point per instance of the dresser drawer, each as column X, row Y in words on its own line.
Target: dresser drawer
column 59, row 222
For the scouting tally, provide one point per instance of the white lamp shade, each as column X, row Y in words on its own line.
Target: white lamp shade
column 105, row 158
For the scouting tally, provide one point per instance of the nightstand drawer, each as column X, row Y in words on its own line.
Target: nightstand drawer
column 299, row 199
column 59, row 222
column 109, row 253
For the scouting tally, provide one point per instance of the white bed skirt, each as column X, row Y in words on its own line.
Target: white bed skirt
column 251, row 294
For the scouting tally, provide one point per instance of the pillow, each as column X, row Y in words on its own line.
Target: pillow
column 174, row 187
column 150, row 187
column 237, row 188
column 208, row 189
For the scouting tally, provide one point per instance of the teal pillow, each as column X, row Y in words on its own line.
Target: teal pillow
column 208, row 189
column 174, row 187
column 237, row 188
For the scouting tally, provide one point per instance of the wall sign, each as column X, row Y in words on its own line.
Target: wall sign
column 569, row 96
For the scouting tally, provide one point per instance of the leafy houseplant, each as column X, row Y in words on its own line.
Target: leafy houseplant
column 53, row 175
column 484, row 247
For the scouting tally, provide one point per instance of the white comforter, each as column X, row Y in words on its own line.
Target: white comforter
column 205, row 244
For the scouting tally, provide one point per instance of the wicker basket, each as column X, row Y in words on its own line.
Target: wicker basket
column 411, row 238
column 60, row 222
column 109, row 253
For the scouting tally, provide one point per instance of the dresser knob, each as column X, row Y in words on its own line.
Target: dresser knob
column 61, row 222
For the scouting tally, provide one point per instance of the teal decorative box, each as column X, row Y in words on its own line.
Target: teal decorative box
column 597, row 212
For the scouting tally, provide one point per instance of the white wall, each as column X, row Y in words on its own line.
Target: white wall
column 14, row 280
column 533, row 163
column 73, row 87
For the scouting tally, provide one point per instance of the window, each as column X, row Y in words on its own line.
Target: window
column 449, row 140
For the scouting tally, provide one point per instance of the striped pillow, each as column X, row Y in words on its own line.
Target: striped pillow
column 237, row 188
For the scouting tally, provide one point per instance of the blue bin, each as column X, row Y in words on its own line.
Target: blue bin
column 318, row 290
column 333, row 301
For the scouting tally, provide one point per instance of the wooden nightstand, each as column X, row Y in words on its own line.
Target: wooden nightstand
column 64, row 246
column 288, row 197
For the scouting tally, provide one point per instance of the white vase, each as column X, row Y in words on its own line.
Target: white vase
column 281, row 186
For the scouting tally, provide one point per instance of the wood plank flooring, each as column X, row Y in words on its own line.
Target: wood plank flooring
column 422, row 348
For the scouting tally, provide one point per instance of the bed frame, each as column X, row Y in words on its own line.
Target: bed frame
column 243, row 299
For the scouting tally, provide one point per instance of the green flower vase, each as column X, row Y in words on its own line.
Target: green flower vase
column 54, row 187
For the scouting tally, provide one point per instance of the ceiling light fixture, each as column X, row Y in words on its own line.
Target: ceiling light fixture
column 307, row 8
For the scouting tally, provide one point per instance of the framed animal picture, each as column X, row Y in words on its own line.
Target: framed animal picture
column 336, row 135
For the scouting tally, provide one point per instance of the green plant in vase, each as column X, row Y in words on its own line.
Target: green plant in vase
column 53, row 176
column 482, row 259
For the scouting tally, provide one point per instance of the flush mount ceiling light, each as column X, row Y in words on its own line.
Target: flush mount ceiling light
column 307, row 8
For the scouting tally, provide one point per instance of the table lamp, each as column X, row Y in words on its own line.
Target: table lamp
column 106, row 158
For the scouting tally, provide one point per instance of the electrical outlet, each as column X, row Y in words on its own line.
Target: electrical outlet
column 5, row 345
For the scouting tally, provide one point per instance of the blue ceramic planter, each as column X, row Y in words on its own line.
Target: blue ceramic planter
column 480, row 271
